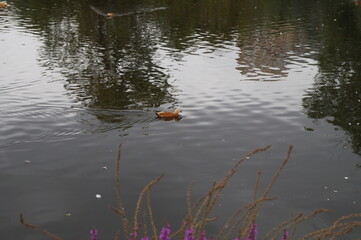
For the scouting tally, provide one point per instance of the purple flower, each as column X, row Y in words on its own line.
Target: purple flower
column 252, row 235
column 285, row 235
column 189, row 234
column 93, row 234
column 165, row 233
column 134, row 235
column 145, row 238
column 203, row 235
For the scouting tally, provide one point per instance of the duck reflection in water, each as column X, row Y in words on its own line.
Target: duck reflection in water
column 111, row 14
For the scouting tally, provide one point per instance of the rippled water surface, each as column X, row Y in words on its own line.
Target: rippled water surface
column 74, row 84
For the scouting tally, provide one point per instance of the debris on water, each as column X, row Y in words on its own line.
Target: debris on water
column 335, row 191
column 98, row 196
column 67, row 214
column 346, row 178
column 27, row 161
column 105, row 168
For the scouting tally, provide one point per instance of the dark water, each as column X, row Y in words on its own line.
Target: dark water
column 74, row 84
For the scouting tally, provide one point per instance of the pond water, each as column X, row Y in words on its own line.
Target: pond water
column 74, row 84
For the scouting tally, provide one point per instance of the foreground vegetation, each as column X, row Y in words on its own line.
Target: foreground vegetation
column 242, row 225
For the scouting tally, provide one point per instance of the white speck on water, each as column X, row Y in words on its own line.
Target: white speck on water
column 327, row 199
column 346, row 178
column 98, row 196
column 325, row 187
column 334, row 19
column 27, row 161
column 105, row 168
column 335, row 191
column 247, row 157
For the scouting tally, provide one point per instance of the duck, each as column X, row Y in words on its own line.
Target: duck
column 3, row 4
column 110, row 15
column 166, row 114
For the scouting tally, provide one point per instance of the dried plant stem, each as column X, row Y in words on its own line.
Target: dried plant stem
column 230, row 221
column 337, row 222
column 348, row 227
column 208, row 208
column 145, row 226
column 145, row 189
column 274, row 178
column 199, row 224
column 189, row 205
column 233, row 227
column 39, row 229
column 257, row 185
column 150, row 213
column 282, row 226
column 219, row 187
column 316, row 234
column 121, row 212
column 205, row 203
column 179, row 231
column 117, row 235
column 298, row 221
column 334, row 230
column 232, row 171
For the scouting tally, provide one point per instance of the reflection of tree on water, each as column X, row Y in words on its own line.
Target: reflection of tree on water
column 121, row 71
column 107, row 63
column 124, row 75
column 264, row 53
column 336, row 94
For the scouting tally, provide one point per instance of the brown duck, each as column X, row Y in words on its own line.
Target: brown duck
column 3, row 4
column 166, row 114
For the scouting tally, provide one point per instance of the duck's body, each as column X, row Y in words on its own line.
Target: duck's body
column 3, row 4
column 166, row 114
